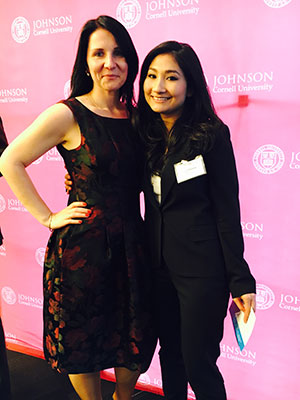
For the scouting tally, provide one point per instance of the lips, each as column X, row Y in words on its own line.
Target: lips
column 110, row 76
column 160, row 99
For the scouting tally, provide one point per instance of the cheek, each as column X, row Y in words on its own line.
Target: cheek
column 147, row 88
column 182, row 94
column 124, row 68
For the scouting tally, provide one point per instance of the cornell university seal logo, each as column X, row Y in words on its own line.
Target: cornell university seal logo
column 129, row 13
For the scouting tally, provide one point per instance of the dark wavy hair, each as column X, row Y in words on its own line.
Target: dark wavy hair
column 198, row 123
column 81, row 83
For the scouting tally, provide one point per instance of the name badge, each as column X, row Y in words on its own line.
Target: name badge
column 185, row 170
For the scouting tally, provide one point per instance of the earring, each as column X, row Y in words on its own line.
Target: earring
column 87, row 72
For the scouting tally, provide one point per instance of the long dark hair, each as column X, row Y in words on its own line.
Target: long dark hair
column 81, row 83
column 198, row 123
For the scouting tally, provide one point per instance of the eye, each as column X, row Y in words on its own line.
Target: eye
column 151, row 76
column 172, row 78
column 118, row 53
column 99, row 53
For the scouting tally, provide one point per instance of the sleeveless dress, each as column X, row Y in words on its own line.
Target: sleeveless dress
column 97, row 310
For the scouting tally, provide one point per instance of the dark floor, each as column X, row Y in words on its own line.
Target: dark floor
column 32, row 379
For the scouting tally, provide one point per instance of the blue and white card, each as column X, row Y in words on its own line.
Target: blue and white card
column 242, row 330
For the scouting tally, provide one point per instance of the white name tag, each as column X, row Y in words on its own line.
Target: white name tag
column 185, row 170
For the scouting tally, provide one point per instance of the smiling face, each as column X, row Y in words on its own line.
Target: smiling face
column 165, row 88
column 106, row 64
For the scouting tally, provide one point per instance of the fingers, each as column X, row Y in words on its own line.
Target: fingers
column 245, row 303
column 239, row 303
column 68, row 183
column 78, row 209
column 73, row 214
column 253, row 303
column 247, row 311
column 75, row 221
column 68, row 189
column 77, row 204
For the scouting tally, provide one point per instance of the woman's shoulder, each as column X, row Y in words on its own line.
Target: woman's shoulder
column 61, row 108
column 221, row 132
column 60, row 111
column 219, row 140
column 56, row 117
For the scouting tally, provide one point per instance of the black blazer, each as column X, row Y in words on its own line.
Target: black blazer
column 3, row 144
column 196, row 228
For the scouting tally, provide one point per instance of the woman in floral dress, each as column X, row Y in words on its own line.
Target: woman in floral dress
column 96, row 284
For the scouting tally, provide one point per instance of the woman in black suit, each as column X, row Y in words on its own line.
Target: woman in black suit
column 4, row 374
column 193, row 220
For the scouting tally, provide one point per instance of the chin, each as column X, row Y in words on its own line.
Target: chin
column 112, row 86
column 156, row 107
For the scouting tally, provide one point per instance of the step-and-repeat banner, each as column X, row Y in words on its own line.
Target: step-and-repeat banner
column 250, row 53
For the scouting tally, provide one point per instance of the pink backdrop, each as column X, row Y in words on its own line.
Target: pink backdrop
column 250, row 54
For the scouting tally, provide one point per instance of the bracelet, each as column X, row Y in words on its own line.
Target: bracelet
column 50, row 220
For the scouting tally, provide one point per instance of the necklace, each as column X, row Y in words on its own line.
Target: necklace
column 94, row 104
column 117, row 113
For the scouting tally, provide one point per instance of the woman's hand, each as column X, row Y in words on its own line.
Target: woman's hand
column 68, row 183
column 73, row 214
column 245, row 303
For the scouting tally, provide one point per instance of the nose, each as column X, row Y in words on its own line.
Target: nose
column 109, row 61
column 159, row 85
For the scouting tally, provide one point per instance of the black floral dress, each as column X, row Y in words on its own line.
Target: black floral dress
column 97, row 312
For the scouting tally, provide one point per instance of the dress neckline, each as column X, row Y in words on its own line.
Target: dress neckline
column 98, row 115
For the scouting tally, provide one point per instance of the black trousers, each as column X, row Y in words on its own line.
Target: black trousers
column 190, row 314
column 5, row 393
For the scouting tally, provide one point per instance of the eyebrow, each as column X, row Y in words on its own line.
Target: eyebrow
column 100, row 48
column 169, row 71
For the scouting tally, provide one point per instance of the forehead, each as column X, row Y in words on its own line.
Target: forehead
column 101, row 39
column 165, row 62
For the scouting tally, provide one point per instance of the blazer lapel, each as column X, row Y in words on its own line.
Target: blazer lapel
column 168, row 177
column 148, row 189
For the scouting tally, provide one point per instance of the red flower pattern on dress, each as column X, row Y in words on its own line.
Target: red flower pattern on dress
column 134, row 348
column 95, row 278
